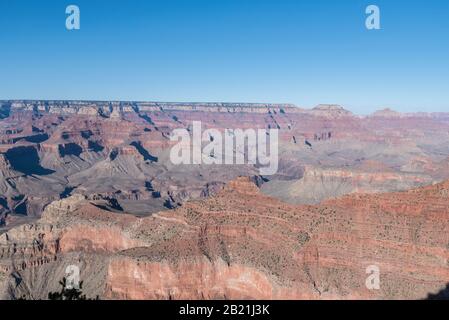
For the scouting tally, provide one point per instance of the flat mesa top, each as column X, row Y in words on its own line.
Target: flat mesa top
column 143, row 103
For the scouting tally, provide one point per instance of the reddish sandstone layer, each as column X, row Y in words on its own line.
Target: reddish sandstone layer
column 241, row 244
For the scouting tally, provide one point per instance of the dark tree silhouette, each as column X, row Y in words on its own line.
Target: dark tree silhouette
column 442, row 295
column 68, row 294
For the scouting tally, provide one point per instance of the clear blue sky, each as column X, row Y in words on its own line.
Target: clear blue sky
column 299, row 51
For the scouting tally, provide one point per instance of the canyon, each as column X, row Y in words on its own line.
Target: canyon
column 90, row 183
column 237, row 244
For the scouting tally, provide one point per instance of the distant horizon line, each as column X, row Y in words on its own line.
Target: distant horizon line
column 241, row 104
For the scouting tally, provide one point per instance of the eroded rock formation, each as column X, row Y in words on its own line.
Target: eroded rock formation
column 90, row 184
column 53, row 149
column 239, row 244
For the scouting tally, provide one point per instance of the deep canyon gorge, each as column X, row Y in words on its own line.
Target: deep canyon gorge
column 90, row 183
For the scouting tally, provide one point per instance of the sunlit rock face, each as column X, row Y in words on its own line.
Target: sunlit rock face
column 238, row 244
